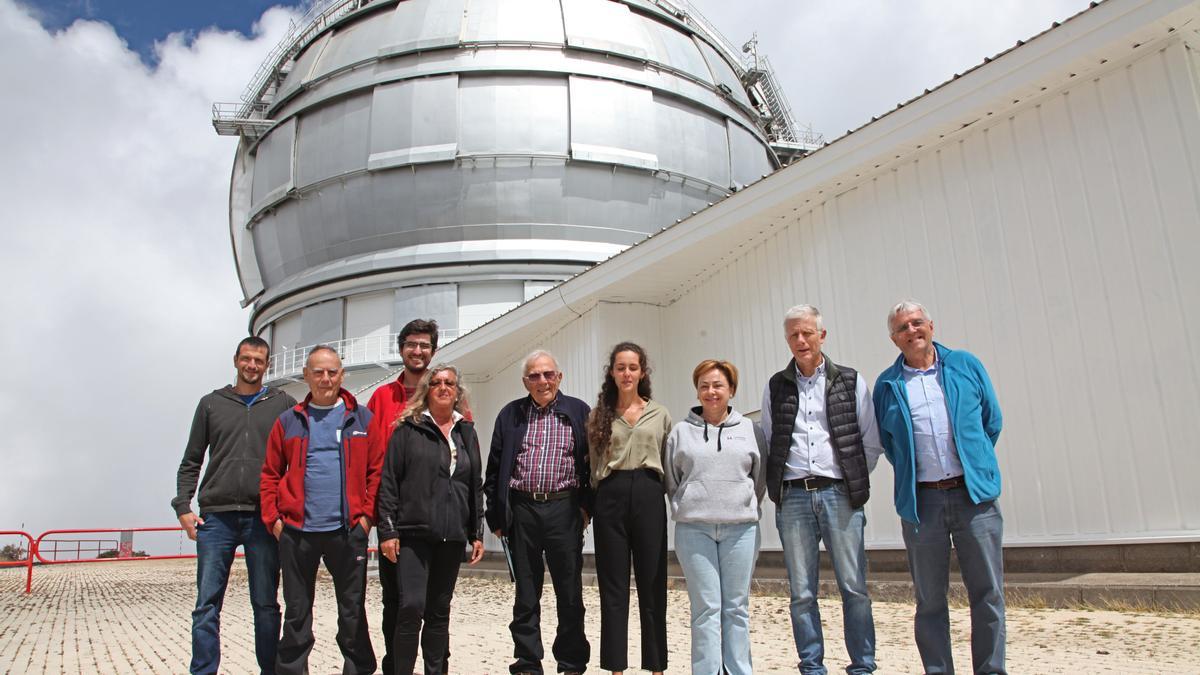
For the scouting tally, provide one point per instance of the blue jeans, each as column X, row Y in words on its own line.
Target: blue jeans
column 976, row 530
column 216, row 540
column 804, row 520
column 718, row 562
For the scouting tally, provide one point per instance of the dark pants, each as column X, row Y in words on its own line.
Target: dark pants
column 345, row 555
column 391, row 604
column 425, row 575
column 631, row 521
column 555, row 529
column 216, row 540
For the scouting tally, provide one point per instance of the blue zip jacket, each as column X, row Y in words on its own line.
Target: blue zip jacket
column 975, row 422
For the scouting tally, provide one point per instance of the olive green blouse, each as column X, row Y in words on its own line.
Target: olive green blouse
column 636, row 446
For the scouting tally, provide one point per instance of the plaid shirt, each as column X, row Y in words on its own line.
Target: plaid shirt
column 546, row 462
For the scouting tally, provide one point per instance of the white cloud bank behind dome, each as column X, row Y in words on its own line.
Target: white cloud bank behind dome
column 843, row 61
column 120, row 302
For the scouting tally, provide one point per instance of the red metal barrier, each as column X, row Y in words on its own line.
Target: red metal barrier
column 35, row 546
column 53, row 548
column 27, row 562
column 48, row 533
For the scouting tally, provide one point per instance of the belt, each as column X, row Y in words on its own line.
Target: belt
column 544, row 496
column 811, row 483
column 944, row 484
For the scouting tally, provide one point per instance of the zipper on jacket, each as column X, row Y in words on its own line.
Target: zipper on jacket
column 344, row 451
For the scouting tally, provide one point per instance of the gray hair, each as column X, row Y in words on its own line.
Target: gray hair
column 803, row 312
column 904, row 307
column 534, row 356
column 322, row 348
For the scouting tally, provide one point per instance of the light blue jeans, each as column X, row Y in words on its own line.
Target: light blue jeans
column 976, row 530
column 718, row 561
column 804, row 520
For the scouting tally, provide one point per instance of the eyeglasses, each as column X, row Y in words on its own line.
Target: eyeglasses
column 915, row 324
column 449, row 384
column 412, row 344
column 547, row 375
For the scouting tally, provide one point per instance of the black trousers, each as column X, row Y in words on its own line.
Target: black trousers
column 345, row 555
column 425, row 575
column 553, row 529
column 391, row 603
column 631, row 521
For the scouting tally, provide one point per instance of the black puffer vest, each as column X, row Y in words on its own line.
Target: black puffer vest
column 841, row 412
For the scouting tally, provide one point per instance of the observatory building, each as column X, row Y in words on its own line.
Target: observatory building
column 451, row 159
column 442, row 159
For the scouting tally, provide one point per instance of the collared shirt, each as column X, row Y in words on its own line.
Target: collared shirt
column 811, row 452
column 455, row 416
column 546, row 460
column 633, row 446
column 933, row 439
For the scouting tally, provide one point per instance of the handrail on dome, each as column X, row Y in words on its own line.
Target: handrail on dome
column 249, row 118
column 357, row 351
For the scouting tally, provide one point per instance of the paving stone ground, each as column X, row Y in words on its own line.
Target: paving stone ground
column 134, row 617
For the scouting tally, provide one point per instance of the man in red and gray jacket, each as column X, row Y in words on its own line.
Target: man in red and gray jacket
column 318, row 485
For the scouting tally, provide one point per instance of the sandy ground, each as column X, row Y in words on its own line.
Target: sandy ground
column 135, row 618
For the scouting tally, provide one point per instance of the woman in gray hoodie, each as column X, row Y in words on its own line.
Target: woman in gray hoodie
column 713, row 465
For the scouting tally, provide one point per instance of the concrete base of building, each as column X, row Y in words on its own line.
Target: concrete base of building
column 1128, row 577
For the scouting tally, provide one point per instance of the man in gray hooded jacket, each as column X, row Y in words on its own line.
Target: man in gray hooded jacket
column 232, row 424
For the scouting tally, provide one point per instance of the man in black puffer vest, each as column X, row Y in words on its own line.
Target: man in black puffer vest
column 820, row 420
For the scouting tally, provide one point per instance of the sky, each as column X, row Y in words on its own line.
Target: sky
column 121, row 308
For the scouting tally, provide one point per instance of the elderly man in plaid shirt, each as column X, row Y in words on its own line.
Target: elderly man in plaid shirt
column 538, row 499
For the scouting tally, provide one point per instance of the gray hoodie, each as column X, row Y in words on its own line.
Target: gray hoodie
column 714, row 474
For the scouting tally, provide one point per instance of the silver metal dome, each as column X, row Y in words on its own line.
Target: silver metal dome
column 452, row 158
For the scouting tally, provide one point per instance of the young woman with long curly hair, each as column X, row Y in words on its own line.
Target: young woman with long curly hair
column 626, row 434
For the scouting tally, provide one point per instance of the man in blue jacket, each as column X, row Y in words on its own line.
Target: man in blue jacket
column 939, row 421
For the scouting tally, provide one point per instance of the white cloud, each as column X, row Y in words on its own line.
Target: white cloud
column 121, row 302
column 843, row 62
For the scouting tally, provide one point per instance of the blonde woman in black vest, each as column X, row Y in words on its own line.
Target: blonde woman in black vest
column 626, row 435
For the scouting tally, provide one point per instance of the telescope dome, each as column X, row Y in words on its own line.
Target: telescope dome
column 450, row 159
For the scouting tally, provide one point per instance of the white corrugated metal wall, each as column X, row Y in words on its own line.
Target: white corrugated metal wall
column 1058, row 243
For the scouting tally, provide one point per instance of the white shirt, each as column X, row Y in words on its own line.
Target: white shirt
column 455, row 416
column 933, row 439
column 811, row 452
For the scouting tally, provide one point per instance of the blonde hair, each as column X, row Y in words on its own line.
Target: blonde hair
column 419, row 403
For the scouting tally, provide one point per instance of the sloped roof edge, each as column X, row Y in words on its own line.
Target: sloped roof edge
column 953, row 105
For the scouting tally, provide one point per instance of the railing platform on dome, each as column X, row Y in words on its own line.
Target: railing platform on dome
column 372, row 350
column 248, row 118
column 240, row 119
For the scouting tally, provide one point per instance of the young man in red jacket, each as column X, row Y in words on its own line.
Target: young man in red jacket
column 418, row 341
column 318, row 487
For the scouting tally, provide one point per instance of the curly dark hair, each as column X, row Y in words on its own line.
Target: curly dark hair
column 599, row 424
